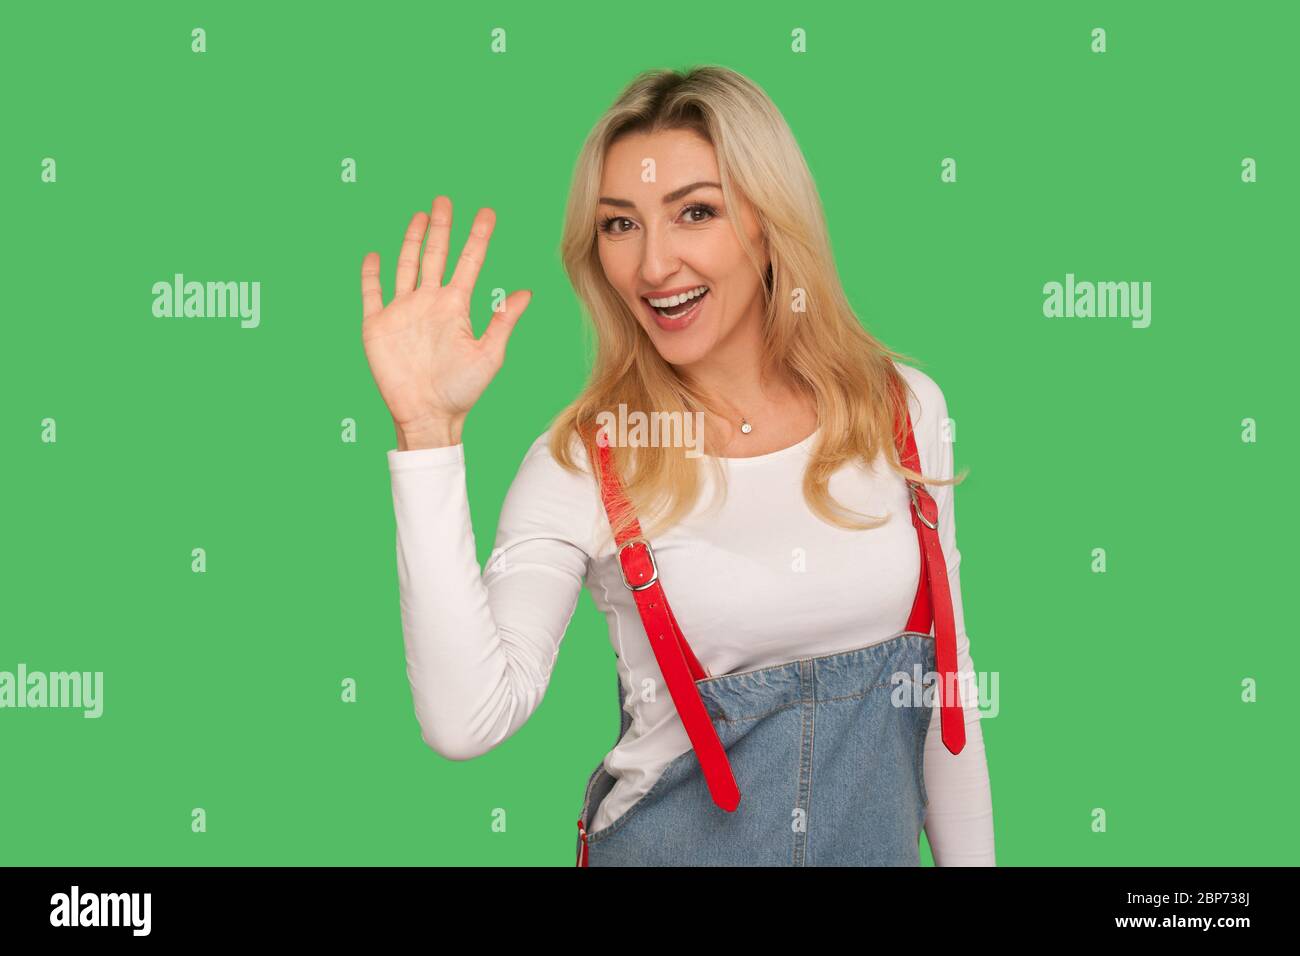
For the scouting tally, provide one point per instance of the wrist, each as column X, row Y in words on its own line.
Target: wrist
column 436, row 433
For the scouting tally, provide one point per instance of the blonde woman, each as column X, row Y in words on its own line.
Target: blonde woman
column 784, row 697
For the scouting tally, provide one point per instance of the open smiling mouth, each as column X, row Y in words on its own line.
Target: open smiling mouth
column 677, row 314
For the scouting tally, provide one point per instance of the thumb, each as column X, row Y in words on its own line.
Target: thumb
column 503, row 322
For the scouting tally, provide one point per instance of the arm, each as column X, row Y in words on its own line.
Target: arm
column 959, row 820
column 480, row 647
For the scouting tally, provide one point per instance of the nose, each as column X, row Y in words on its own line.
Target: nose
column 659, row 258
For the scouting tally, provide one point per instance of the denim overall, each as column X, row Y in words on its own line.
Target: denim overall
column 831, row 769
column 828, row 752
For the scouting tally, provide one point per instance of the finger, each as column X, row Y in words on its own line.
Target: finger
column 408, row 260
column 372, row 295
column 472, row 256
column 497, row 334
column 435, row 250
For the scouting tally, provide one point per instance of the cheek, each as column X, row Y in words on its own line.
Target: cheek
column 725, row 262
column 619, row 267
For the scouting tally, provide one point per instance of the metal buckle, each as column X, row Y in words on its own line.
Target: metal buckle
column 911, row 488
column 654, row 568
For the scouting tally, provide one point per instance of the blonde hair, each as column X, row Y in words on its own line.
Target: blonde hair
column 825, row 350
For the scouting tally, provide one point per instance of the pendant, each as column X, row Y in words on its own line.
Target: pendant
column 745, row 426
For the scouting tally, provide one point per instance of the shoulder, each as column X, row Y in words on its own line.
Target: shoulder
column 928, row 407
column 546, row 495
column 539, row 460
column 926, row 402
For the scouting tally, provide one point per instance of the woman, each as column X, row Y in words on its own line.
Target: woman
column 790, row 552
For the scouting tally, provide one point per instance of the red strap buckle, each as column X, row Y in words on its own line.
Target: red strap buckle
column 912, row 489
column 632, row 564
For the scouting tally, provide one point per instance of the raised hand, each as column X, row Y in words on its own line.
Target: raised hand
column 423, row 355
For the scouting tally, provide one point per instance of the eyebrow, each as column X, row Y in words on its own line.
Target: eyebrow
column 671, row 197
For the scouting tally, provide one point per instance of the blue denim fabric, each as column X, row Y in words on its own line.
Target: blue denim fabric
column 830, row 769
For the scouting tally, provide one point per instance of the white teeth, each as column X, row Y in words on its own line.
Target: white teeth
column 673, row 300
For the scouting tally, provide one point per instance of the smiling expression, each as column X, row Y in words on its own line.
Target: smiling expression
column 670, row 247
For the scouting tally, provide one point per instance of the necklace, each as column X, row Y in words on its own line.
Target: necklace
column 745, row 426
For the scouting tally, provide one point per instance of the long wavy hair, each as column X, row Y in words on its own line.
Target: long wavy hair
column 824, row 348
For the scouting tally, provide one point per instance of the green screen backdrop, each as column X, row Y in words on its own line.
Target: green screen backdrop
column 1156, row 692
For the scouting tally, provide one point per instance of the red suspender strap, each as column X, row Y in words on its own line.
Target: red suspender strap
column 582, row 851
column 677, row 661
column 933, row 599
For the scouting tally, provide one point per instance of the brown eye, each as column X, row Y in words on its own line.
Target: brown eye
column 606, row 224
column 699, row 207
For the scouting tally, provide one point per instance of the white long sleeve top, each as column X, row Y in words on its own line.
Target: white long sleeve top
column 480, row 645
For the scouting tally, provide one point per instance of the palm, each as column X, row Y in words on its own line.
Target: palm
column 421, row 348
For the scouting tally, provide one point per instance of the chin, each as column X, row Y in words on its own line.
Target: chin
column 681, row 348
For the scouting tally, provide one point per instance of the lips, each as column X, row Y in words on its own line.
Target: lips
column 682, row 321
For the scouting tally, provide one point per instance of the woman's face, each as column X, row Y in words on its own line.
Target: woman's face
column 673, row 235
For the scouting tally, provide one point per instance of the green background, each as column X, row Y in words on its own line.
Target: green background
column 1119, row 690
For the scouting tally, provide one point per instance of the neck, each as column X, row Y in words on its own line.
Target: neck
column 732, row 375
